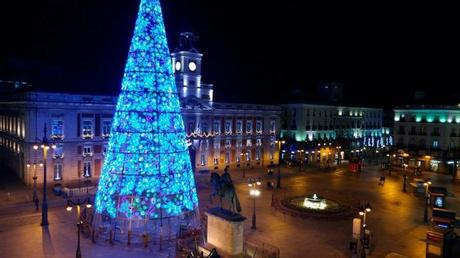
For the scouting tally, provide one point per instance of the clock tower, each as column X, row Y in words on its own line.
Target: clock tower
column 186, row 62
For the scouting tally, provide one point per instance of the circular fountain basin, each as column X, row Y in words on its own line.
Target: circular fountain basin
column 315, row 205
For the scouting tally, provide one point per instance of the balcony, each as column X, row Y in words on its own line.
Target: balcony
column 58, row 155
column 87, row 154
column 87, row 135
column 57, row 136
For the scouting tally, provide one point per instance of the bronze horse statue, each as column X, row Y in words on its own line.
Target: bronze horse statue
column 222, row 186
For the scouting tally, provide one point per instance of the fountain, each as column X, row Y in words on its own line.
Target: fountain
column 315, row 202
column 315, row 205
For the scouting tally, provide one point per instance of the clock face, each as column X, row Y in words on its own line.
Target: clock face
column 177, row 66
column 192, row 66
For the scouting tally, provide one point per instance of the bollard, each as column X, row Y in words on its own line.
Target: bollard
column 93, row 238
column 129, row 237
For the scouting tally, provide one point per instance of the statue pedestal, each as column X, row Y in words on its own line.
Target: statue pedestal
column 225, row 231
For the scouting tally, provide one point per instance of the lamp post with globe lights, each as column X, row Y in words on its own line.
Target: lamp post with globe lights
column 363, row 211
column 278, row 178
column 45, row 145
column 35, row 194
column 77, row 204
column 254, row 192
column 427, row 183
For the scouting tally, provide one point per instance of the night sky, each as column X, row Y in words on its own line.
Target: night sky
column 253, row 52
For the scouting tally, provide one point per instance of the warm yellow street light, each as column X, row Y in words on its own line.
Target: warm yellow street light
column 278, row 179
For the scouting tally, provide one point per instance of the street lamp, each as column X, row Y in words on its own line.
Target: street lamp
column 77, row 204
column 35, row 195
column 427, row 183
column 254, row 192
column 278, row 179
column 247, row 164
column 45, row 146
column 389, row 164
column 363, row 211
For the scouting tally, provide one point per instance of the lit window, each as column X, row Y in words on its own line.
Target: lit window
column 57, row 171
column 87, row 129
column 204, row 128
column 248, row 156
column 106, row 148
column 228, row 144
column 216, row 127
column 58, row 152
column 249, row 127
column 57, row 129
column 216, row 145
column 87, row 168
column 258, row 154
column 203, row 160
column 272, row 126
column 435, row 144
column 248, row 143
column 216, row 161
column 87, row 150
column 239, row 127
column 259, row 142
column 228, row 127
column 259, row 127
column 106, row 128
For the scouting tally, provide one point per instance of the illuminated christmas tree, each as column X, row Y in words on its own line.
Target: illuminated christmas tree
column 147, row 186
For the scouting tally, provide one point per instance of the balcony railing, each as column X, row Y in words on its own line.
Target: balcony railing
column 87, row 135
column 57, row 136
column 87, row 154
column 58, row 155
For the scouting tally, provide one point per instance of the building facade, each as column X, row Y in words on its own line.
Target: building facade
column 428, row 137
column 219, row 134
column 346, row 129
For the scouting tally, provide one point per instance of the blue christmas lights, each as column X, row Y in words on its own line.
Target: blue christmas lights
column 147, row 173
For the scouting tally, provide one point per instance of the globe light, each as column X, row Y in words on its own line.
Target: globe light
column 69, row 207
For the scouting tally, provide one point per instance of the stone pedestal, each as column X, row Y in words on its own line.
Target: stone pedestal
column 225, row 231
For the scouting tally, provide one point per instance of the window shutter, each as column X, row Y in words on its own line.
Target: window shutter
column 78, row 125
column 97, row 167
column 79, row 168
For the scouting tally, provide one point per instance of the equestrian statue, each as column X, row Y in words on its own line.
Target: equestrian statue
column 223, row 187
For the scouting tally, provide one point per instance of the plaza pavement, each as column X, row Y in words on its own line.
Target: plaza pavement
column 396, row 218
